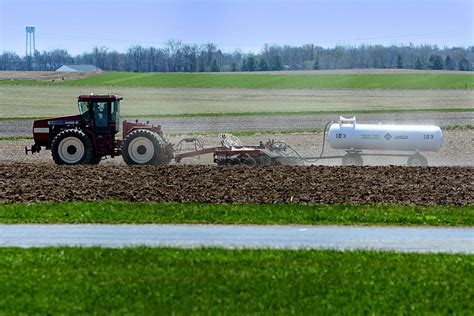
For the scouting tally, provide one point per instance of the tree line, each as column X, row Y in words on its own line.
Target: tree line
column 176, row 56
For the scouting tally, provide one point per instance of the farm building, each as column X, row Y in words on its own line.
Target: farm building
column 78, row 68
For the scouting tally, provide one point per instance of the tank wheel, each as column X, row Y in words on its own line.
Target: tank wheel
column 71, row 147
column 142, row 147
column 351, row 159
column 417, row 160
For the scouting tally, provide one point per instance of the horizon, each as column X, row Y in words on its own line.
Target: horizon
column 243, row 25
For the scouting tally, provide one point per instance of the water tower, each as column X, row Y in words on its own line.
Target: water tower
column 30, row 40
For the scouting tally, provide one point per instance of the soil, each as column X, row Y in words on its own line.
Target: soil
column 21, row 182
column 44, row 75
column 457, row 150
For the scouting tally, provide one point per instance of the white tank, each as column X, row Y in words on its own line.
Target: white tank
column 347, row 134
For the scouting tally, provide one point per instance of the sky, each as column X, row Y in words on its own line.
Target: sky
column 79, row 25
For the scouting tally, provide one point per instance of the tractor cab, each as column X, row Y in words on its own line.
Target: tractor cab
column 100, row 113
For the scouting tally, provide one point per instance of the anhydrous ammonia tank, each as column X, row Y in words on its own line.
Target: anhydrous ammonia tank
column 348, row 135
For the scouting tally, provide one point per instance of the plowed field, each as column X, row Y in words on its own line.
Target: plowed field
column 238, row 184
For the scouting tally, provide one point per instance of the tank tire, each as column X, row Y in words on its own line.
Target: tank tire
column 72, row 147
column 142, row 147
column 417, row 160
column 351, row 159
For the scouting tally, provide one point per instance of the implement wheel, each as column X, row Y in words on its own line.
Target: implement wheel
column 72, row 147
column 142, row 147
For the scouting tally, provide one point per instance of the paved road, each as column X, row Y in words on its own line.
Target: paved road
column 406, row 239
column 272, row 122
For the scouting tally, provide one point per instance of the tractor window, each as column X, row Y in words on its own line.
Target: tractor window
column 84, row 111
column 101, row 114
column 115, row 110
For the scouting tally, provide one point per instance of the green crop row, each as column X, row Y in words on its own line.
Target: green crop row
column 271, row 81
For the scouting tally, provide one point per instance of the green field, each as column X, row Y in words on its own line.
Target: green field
column 271, row 81
column 114, row 212
column 52, row 101
column 49, row 281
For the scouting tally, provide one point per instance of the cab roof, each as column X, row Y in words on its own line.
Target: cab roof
column 111, row 97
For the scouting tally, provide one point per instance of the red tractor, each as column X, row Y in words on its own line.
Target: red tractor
column 88, row 137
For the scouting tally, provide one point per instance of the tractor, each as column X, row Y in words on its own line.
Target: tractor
column 90, row 136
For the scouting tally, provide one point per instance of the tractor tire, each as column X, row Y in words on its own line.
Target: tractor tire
column 142, row 147
column 72, row 147
column 417, row 160
column 351, row 159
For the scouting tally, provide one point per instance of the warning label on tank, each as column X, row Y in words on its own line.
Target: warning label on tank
column 388, row 136
column 370, row 136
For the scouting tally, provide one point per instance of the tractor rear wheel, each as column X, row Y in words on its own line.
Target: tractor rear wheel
column 71, row 147
column 142, row 147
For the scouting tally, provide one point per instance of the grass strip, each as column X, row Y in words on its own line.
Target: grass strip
column 269, row 81
column 290, row 131
column 15, row 138
column 22, row 118
column 236, row 114
column 457, row 127
column 338, row 112
column 113, row 212
column 146, row 281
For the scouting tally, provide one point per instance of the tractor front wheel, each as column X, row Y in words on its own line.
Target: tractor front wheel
column 141, row 147
column 71, row 147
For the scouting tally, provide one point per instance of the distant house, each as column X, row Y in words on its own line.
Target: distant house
column 78, row 68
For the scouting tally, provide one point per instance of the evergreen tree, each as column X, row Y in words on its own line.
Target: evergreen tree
column 262, row 65
column 249, row 64
column 316, row 63
column 449, row 63
column 436, row 62
column 277, row 63
column 201, row 67
column 400, row 62
column 233, row 67
column 464, row 65
column 214, row 66
column 419, row 64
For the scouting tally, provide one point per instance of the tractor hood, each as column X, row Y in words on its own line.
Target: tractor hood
column 73, row 120
column 42, row 129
